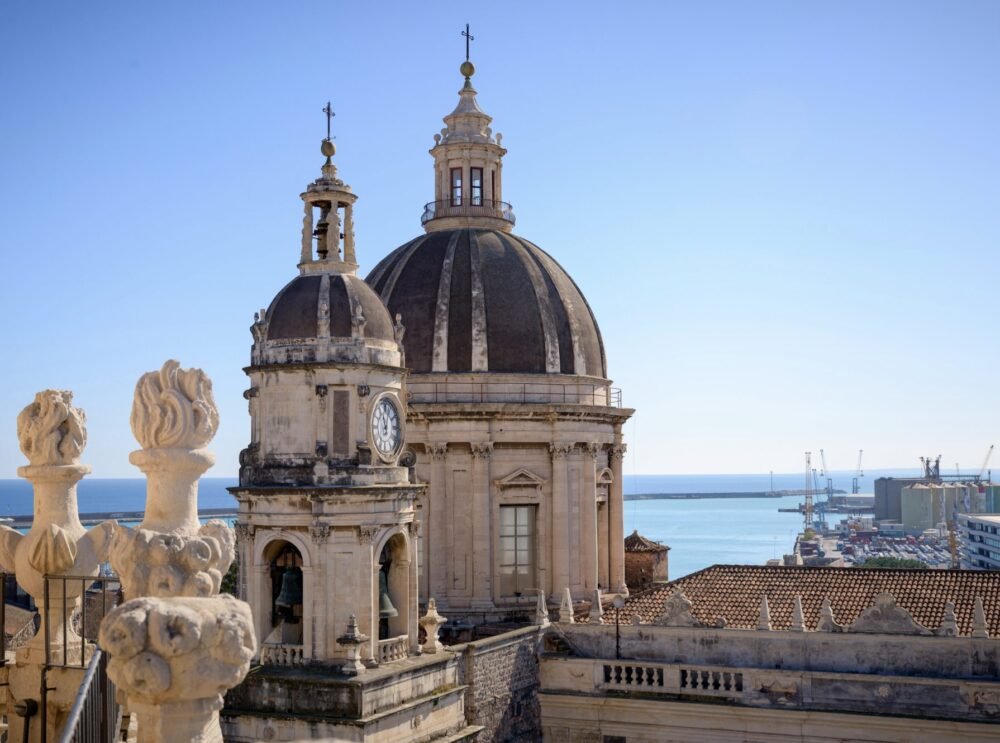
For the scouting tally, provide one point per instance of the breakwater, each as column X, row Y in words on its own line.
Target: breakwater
column 728, row 494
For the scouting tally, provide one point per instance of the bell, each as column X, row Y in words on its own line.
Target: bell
column 291, row 588
column 385, row 607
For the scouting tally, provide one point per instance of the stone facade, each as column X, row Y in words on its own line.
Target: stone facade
column 645, row 562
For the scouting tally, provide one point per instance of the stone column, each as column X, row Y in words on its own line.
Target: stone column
column 175, row 657
column 588, row 520
column 482, row 540
column 349, row 256
column 52, row 435
column 307, row 234
column 435, row 529
column 616, row 514
column 333, row 232
column 560, row 519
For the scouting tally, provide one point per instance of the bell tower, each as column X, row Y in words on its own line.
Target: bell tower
column 326, row 527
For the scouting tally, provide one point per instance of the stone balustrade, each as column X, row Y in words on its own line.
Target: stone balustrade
column 667, row 678
column 393, row 649
column 277, row 654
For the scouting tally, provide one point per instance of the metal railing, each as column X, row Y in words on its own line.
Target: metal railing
column 96, row 715
column 527, row 392
column 468, row 208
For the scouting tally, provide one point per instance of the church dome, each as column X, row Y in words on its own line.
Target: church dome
column 297, row 310
column 484, row 300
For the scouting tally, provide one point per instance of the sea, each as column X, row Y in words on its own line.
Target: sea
column 700, row 532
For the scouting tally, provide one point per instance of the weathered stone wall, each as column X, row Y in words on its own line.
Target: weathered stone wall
column 643, row 568
column 502, row 675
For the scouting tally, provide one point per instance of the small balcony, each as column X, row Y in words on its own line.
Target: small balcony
column 468, row 208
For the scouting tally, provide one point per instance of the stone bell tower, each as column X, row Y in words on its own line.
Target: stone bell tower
column 326, row 528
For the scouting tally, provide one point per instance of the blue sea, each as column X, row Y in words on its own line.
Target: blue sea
column 699, row 532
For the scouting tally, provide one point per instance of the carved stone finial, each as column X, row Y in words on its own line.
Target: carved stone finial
column 596, row 610
column 764, row 619
column 351, row 641
column 826, row 622
column 541, row 610
column 798, row 619
column 566, row 607
column 677, row 612
column 174, row 409
column 431, row 622
column 885, row 617
column 51, row 431
column 979, row 626
column 949, row 624
column 176, row 658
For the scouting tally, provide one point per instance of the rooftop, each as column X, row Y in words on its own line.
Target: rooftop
column 635, row 542
column 734, row 592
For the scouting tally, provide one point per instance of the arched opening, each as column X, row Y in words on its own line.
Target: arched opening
column 393, row 585
column 285, row 569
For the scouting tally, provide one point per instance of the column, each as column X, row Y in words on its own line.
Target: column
column 616, row 514
column 435, row 526
column 307, row 234
column 588, row 518
column 333, row 232
column 482, row 565
column 560, row 520
column 349, row 256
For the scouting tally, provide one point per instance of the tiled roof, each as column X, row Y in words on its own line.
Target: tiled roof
column 635, row 542
column 734, row 591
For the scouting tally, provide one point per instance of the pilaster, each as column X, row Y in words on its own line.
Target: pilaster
column 482, row 541
column 616, row 513
column 560, row 518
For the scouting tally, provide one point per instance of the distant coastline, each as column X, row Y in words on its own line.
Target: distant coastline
column 744, row 494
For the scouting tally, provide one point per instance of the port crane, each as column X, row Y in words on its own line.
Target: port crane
column 986, row 461
column 858, row 474
column 808, row 508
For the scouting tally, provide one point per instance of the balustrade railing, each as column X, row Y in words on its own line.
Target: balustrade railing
column 468, row 208
column 393, row 649
column 96, row 715
column 672, row 679
column 278, row 654
column 517, row 392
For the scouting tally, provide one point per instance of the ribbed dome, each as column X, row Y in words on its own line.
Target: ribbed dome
column 295, row 311
column 482, row 300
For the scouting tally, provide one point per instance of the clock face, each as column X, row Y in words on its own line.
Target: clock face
column 387, row 429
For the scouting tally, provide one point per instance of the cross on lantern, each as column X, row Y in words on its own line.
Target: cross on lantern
column 468, row 37
column 329, row 115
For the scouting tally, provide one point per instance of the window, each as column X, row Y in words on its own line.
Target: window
column 476, row 178
column 456, row 186
column 517, row 550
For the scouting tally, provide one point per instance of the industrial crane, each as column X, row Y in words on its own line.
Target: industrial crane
column 858, row 474
column 808, row 509
column 986, row 461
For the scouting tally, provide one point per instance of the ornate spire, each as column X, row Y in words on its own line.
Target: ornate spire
column 468, row 166
column 329, row 217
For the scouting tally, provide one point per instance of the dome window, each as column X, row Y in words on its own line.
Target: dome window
column 456, row 186
column 476, row 182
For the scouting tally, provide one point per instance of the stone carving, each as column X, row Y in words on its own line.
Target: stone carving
column 559, row 451
column 437, row 451
column 398, row 329
column 358, row 322
column 52, row 434
column 176, row 658
column 617, row 451
column 798, row 620
column 174, row 409
column 979, row 626
column 351, row 641
column 566, row 607
column 431, row 622
column 826, row 622
column 541, row 610
column 887, row 618
column 367, row 534
column 764, row 618
column 596, row 610
column 677, row 612
column 51, row 431
column 780, row 685
column 319, row 533
column 949, row 624
column 482, row 450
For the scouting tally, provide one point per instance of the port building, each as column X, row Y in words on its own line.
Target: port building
column 980, row 535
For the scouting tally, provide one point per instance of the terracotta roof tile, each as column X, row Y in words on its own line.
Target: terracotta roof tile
column 734, row 591
column 635, row 542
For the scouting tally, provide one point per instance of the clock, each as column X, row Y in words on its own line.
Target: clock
column 387, row 427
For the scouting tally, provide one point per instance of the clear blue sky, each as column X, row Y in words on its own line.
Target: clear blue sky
column 785, row 215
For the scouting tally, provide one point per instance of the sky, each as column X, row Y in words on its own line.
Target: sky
column 783, row 214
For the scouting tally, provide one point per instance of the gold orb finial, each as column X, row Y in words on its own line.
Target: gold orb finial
column 467, row 69
column 327, row 148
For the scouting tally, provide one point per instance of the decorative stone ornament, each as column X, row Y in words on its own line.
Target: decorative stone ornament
column 798, row 620
column 826, row 622
column 887, row 618
column 596, row 610
column 979, row 626
column 52, row 434
column 351, row 641
column 677, row 612
column 431, row 622
column 764, row 619
column 566, row 607
column 175, row 659
column 541, row 610
column 949, row 624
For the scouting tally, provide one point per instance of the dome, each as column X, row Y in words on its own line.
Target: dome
column 295, row 311
column 481, row 300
